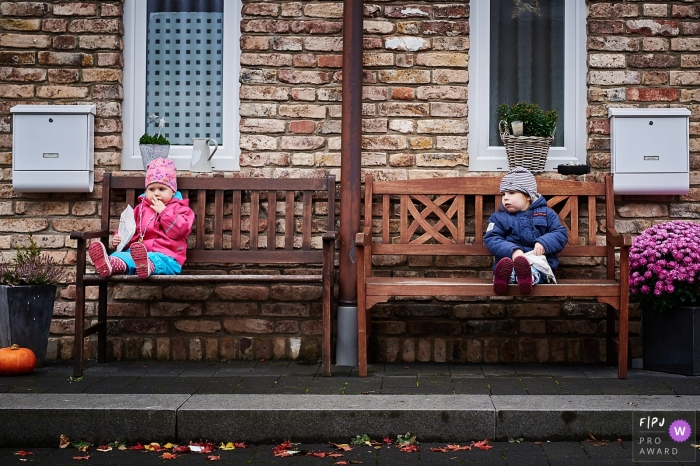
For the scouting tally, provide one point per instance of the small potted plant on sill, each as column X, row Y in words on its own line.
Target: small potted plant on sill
column 27, row 295
column 665, row 276
column 156, row 146
column 532, row 133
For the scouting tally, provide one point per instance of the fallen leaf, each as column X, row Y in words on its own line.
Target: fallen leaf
column 168, row 456
column 64, row 441
column 341, row 462
column 153, row 446
column 104, row 448
column 181, row 449
column 600, row 444
column 538, row 443
column 407, row 439
column 81, row 445
column 227, row 446
column 409, row 448
column 23, row 453
column 387, row 439
column 285, row 449
column 240, row 445
column 202, row 447
column 81, row 458
column 450, row 448
column 592, row 437
column 168, row 446
column 138, row 446
column 482, row 445
column 342, row 446
column 213, row 458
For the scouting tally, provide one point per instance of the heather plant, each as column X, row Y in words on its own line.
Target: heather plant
column 31, row 267
column 665, row 265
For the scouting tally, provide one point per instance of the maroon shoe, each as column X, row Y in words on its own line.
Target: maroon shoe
column 99, row 257
column 139, row 254
column 501, row 276
column 524, row 274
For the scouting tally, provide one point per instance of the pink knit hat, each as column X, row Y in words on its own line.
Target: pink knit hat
column 162, row 171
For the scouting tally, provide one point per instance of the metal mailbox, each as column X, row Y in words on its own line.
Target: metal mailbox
column 53, row 148
column 650, row 150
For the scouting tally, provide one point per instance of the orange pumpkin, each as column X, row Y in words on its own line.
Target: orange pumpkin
column 15, row 360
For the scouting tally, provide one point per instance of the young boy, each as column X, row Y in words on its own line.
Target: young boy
column 522, row 223
column 163, row 223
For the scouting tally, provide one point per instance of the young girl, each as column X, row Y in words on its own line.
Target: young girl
column 522, row 223
column 163, row 223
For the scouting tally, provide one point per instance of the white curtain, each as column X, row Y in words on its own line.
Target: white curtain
column 184, row 68
column 527, row 58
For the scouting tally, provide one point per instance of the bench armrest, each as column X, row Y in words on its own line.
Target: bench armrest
column 330, row 236
column 616, row 239
column 363, row 239
column 89, row 234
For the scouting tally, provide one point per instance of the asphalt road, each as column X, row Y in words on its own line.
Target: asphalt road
column 502, row 453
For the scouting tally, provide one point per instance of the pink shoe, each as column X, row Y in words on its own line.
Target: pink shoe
column 99, row 257
column 139, row 254
column 501, row 276
column 524, row 274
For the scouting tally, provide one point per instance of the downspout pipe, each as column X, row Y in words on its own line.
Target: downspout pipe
column 350, row 189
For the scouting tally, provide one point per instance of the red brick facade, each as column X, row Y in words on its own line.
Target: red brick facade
column 415, row 105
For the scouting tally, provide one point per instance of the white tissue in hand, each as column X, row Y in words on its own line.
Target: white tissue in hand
column 127, row 227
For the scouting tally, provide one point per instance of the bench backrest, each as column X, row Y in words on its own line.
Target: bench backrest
column 242, row 220
column 448, row 216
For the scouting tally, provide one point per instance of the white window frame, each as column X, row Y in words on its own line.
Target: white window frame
column 134, row 106
column 483, row 157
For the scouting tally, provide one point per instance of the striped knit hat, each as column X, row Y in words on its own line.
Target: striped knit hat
column 520, row 179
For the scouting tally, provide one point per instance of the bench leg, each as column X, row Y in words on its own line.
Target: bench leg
column 361, row 338
column 623, row 338
column 102, row 319
column 610, row 347
column 78, row 341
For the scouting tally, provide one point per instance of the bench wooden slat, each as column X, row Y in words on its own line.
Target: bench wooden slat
column 592, row 224
column 289, row 221
column 472, row 250
column 192, row 278
column 386, row 216
column 245, row 184
column 236, row 221
column 306, row 221
column 455, row 286
column 271, row 220
column 486, row 185
column 219, row 219
column 479, row 220
column 200, row 217
column 254, row 219
column 241, row 256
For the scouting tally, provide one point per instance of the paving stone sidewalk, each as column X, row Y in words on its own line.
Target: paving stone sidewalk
column 288, row 377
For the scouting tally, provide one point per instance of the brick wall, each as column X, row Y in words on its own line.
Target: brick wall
column 414, row 106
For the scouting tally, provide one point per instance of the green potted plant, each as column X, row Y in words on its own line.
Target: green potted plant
column 154, row 146
column 27, row 294
column 527, row 132
column 665, row 277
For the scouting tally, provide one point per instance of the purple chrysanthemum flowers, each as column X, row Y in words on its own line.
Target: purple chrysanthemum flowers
column 664, row 264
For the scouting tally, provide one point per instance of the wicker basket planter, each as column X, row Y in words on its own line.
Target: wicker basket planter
column 525, row 151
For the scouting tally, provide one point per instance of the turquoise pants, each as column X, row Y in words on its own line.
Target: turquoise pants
column 165, row 265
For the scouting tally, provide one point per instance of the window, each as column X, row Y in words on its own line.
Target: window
column 181, row 62
column 533, row 51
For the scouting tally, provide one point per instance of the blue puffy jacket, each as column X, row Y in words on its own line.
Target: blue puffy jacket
column 521, row 230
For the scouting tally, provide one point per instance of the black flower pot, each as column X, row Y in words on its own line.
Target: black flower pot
column 25, row 317
column 672, row 340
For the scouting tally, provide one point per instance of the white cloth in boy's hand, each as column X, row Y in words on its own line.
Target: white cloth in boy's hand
column 541, row 264
column 127, row 227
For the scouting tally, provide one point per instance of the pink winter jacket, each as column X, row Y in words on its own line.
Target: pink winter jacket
column 167, row 233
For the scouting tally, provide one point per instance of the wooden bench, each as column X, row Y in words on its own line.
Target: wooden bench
column 447, row 217
column 225, row 208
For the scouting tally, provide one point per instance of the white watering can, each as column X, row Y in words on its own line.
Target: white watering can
column 201, row 157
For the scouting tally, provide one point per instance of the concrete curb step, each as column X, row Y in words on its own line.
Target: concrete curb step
column 37, row 420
